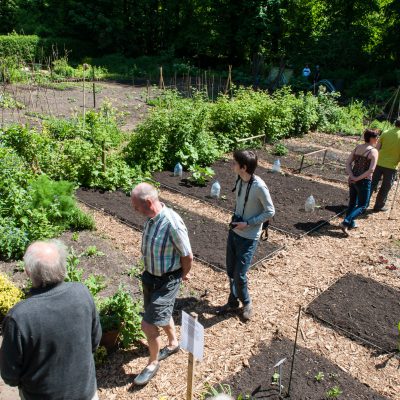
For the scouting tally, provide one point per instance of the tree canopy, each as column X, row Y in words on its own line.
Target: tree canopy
column 337, row 34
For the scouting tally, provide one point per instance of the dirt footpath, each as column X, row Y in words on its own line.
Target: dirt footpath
column 295, row 277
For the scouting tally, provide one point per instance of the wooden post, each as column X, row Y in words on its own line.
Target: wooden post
column 323, row 160
column 190, row 378
column 229, row 81
column 162, row 86
column 212, row 88
column 301, row 164
column 94, row 87
column 148, row 91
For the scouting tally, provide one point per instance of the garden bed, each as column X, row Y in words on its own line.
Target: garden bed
column 307, row 366
column 208, row 238
column 361, row 308
column 332, row 169
column 288, row 192
column 105, row 260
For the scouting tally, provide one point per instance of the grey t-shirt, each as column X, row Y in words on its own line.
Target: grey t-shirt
column 259, row 207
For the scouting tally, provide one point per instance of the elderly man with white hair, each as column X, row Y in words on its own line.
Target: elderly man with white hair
column 49, row 338
column 167, row 258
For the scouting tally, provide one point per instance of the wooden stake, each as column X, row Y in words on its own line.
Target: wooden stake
column 94, row 87
column 148, row 91
column 190, row 378
column 162, row 86
column 294, row 352
column 229, row 81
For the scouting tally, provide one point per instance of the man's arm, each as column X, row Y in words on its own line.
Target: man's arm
column 186, row 263
column 11, row 353
column 181, row 242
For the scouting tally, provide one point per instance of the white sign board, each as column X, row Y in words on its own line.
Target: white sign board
column 192, row 336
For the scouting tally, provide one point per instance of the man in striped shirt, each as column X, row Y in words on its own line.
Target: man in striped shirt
column 167, row 257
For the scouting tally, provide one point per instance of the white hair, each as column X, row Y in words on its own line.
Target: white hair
column 144, row 191
column 221, row 396
column 45, row 262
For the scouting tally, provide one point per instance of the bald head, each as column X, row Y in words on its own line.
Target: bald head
column 145, row 200
column 144, row 191
column 45, row 262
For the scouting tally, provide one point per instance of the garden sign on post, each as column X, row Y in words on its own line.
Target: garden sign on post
column 192, row 340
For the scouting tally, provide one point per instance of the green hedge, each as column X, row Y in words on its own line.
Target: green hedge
column 34, row 48
column 22, row 46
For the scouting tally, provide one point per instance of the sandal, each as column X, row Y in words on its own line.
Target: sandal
column 166, row 352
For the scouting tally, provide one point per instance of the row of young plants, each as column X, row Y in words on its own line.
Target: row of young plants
column 41, row 169
column 196, row 131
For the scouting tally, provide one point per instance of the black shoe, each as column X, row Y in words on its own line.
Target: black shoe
column 247, row 311
column 381, row 209
column 227, row 308
column 145, row 376
column 166, row 352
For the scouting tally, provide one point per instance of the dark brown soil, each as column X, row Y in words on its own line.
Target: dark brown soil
column 113, row 265
column 208, row 238
column 362, row 308
column 332, row 169
column 288, row 193
column 304, row 386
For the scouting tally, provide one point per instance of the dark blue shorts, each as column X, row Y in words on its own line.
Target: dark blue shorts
column 159, row 294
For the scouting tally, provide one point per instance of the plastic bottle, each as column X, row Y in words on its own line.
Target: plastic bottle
column 215, row 190
column 178, row 169
column 309, row 206
column 277, row 166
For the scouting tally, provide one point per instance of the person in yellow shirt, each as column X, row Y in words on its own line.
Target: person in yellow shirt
column 388, row 161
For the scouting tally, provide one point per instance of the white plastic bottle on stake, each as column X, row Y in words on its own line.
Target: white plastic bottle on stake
column 178, row 169
column 215, row 190
column 309, row 206
column 277, row 166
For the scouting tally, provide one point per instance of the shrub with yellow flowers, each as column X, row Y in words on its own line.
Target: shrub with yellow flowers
column 9, row 295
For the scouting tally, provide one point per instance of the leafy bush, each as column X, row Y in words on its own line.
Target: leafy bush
column 13, row 240
column 121, row 312
column 333, row 118
column 196, row 131
column 33, row 207
column 9, row 295
column 176, row 130
column 280, row 150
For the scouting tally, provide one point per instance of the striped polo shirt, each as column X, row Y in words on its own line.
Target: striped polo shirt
column 165, row 239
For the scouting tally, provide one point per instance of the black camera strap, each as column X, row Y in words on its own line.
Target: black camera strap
column 246, row 197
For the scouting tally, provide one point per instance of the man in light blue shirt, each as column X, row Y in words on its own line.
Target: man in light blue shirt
column 253, row 207
column 167, row 258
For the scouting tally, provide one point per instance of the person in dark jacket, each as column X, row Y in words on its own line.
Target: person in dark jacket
column 49, row 338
